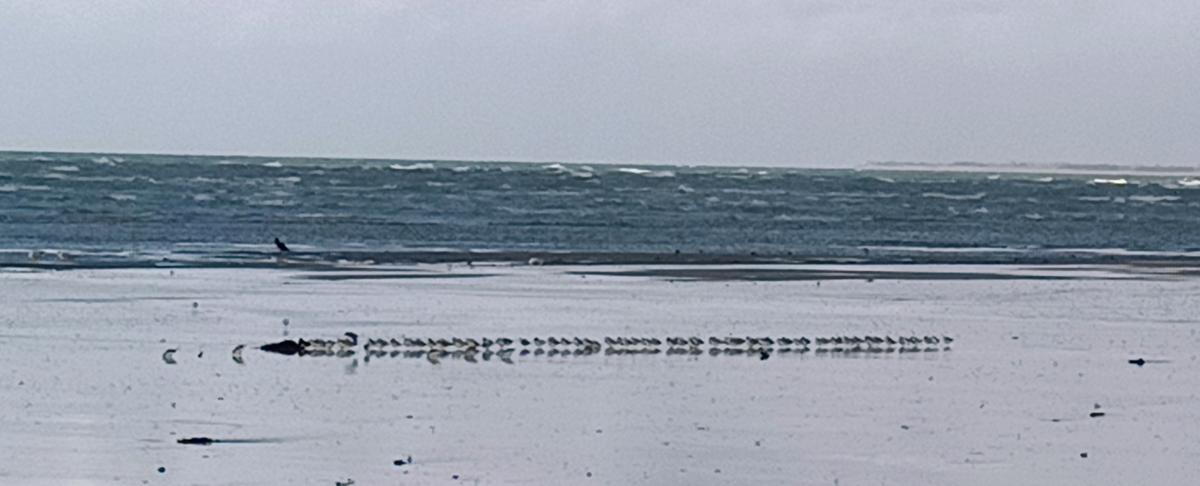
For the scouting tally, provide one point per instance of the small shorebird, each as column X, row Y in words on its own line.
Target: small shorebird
column 350, row 341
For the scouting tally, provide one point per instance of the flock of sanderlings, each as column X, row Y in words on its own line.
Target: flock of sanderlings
column 504, row 349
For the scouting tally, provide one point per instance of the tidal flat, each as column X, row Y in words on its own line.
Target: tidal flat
column 1037, row 388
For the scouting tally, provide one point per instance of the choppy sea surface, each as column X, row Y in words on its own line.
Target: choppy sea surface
column 139, row 210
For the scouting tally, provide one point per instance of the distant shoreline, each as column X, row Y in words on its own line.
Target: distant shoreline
column 869, row 166
column 1035, row 169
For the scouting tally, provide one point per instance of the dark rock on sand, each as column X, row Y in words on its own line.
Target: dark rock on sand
column 287, row 346
column 1139, row 361
column 196, row 441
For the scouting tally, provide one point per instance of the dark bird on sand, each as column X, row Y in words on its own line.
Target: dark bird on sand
column 282, row 247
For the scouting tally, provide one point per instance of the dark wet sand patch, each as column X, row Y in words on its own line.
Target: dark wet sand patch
column 111, row 300
column 798, row 274
column 390, row 276
column 204, row 441
column 339, row 260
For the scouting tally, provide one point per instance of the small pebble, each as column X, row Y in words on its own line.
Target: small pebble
column 161, row 469
column 1083, row 455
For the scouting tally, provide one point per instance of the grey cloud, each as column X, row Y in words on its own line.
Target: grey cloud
column 755, row 82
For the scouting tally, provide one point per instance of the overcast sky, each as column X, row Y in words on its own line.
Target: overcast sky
column 797, row 83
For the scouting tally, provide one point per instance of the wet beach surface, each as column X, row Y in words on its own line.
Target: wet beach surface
column 1038, row 377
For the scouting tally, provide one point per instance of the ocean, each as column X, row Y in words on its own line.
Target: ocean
column 72, row 209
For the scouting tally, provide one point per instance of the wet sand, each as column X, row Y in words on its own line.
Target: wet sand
column 89, row 399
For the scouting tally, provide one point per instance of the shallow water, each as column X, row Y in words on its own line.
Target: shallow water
column 89, row 400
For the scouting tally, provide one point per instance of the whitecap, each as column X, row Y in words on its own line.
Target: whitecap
column 583, row 172
column 646, row 172
column 320, row 215
column 888, row 180
column 22, row 187
column 290, row 179
column 271, row 202
column 206, row 180
column 65, row 168
column 1188, row 182
column 104, row 161
column 1034, row 216
column 122, row 197
column 855, row 195
column 1044, row 179
column 1114, row 182
column 684, row 188
column 275, row 164
column 955, row 197
column 202, row 197
column 769, row 192
column 1153, row 199
column 421, row 166
column 1095, row 198
column 808, row 218
column 461, row 168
